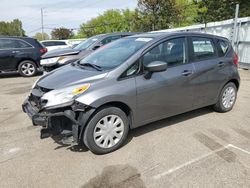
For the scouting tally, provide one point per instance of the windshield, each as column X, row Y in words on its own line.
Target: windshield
column 85, row 44
column 115, row 53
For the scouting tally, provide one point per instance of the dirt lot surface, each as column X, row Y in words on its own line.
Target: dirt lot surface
column 201, row 148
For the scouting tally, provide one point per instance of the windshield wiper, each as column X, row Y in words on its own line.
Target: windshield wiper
column 96, row 67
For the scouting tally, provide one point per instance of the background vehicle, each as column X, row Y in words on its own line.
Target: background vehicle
column 20, row 54
column 58, row 58
column 74, row 42
column 55, row 44
column 131, row 82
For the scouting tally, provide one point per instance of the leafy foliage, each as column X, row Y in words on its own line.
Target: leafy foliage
column 61, row 33
column 40, row 36
column 156, row 14
column 214, row 10
column 13, row 28
column 110, row 21
column 163, row 14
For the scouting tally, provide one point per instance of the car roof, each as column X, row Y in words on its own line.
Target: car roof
column 159, row 35
column 14, row 37
column 53, row 41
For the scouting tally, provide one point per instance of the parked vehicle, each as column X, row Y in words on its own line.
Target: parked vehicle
column 74, row 42
column 55, row 44
column 20, row 54
column 132, row 82
column 61, row 57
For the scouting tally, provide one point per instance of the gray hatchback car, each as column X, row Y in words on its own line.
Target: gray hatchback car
column 132, row 82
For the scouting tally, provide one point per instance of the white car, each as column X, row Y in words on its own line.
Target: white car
column 55, row 44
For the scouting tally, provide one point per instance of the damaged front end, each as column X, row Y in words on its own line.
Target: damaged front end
column 66, row 119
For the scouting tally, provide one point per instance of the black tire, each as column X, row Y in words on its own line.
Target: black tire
column 88, row 136
column 32, row 71
column 219, row 107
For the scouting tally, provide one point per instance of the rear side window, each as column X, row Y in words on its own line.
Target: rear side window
column 223, row 47
column 22, row 44
column 203, row 48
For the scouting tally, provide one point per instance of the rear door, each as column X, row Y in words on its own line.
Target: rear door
column 165, row 93
column 7, row 54
column 210, row 70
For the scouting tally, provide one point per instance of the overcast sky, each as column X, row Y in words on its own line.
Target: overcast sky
column 57, row 13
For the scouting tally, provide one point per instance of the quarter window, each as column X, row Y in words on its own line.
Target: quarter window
column 172, row 52
column 203, row 48
column 223, row 47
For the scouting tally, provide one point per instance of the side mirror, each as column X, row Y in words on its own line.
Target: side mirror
column 155, row 66
column 96, row 47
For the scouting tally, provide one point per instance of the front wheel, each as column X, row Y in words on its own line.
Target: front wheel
column 106, row 131
column 27, row 68
column 227, row 98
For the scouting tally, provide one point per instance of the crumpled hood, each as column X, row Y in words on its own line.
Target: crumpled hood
column 60, row 52
column 69, row 75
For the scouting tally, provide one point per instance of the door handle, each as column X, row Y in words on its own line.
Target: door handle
column 221, row 64
column 187, row 72
column 15, row 52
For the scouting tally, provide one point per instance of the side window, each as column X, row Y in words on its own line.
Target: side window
column 223, row 47
column 203, row 48
column 172, row 52
column 110, row 39
column 22, row 44
column 59, row 43
column 47, row 44
column 7, row 44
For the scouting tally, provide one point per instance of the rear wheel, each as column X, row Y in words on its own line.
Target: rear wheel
column 27, row 68
column 106, row 131
column 227, row 98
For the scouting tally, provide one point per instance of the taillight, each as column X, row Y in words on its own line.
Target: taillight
column 43, row 50
column 236, row 59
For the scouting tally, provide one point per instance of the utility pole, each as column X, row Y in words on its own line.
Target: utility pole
column 42, row 24
column 234, row 41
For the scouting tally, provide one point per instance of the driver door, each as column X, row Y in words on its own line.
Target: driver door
column 165, row 93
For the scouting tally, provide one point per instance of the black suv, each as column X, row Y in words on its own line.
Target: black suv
column 20, row 54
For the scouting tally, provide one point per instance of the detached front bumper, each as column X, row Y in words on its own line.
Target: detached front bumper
column 61, row 121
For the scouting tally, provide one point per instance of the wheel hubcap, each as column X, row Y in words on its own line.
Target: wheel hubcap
column 228, row 97
column 108, row 131
column 28, row 69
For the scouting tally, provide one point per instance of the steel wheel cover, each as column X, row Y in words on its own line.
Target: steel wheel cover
column 228, row 97
column 108, row 131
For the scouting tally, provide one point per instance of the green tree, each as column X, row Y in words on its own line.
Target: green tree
column 61, row 33
column 214, row 10
column 187, row 13
column 156, row 14
column 13, row 28
column 110, row 21
column 40, row 36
